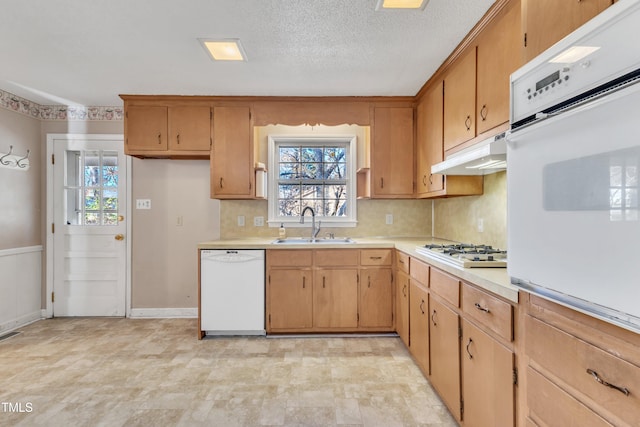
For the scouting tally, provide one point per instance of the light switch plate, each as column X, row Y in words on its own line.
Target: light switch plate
column 389, row 219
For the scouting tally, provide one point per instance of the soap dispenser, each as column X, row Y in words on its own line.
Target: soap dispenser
column 282, row 233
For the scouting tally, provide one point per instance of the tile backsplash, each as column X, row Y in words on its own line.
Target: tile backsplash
column 457, row 218
column 410, row 218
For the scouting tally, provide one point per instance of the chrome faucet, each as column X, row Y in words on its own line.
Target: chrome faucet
column 314, row 230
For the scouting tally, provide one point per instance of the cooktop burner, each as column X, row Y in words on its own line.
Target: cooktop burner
column 467, row 255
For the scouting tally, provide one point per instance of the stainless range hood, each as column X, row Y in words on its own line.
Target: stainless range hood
column 483, row 158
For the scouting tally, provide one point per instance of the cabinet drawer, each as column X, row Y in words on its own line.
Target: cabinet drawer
column 289, row 258
column 419, row 271
column 490, row 311
column 568, row 358
column 446, row 286
column 336, row 257
column 402, row 262
column 551, row 406
column 375, row 257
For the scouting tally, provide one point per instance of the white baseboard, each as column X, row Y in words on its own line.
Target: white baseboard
column 163, row 313
column 21, row 321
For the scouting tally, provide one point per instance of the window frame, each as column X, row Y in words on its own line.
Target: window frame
column 275, row 141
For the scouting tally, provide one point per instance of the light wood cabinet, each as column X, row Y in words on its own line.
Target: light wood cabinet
column 444, row 345
column 547, row 21
column 290, row 299
column 589, row 361
column 402, row 306
column 189, row 128
column 157, row 129
column 376, row 298
column 487, row 380
column 419, row 324
column 460, row 101
column 335, row 290
column 392, row 153
column 430, row 150
column 232, row 169
column 493, row 313
column 497, row 57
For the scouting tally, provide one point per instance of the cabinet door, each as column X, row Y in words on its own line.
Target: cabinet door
column 402, row 307
column 232, row 173
column 548, row 21
column 445, row 354
column 190, row 128
column 145, row 128
column 376, row 298
column 429, row 146
column 392, row 152
column 487, row 378
column 289, row 299
column 419, row 321
column 499, row 48
column 335, row 298
column 460, row 101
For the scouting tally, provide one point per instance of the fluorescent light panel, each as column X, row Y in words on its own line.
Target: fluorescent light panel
column 401, row 4
column 224, row 49
column 574, row 54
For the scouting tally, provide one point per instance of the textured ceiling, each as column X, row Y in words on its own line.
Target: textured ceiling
column 87, row 52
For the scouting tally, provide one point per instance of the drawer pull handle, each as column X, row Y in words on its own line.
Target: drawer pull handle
column 375, row 257
column 323, row 281
column 481, row 308
column 433, row 315
column 422, row 306
column 467, row 122
column 595, row 375
column 404, row 291
column 401, row 261
column 468, row 352
column 304, row 279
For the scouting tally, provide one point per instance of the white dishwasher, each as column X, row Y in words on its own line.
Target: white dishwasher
column 232, row 292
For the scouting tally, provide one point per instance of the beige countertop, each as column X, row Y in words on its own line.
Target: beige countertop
column 495, row 280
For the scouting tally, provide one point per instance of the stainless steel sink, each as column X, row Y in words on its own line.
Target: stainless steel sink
column 307, row 241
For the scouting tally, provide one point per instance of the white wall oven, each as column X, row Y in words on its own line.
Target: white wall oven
column 573, row 156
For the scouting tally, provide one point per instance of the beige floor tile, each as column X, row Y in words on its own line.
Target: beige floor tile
column 154, row 372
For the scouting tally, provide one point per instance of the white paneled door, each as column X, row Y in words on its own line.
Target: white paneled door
column 89, row 226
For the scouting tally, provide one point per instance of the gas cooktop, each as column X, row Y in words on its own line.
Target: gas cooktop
column 466, row 255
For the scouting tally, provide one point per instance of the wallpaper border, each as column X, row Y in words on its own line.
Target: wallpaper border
column 24, row 106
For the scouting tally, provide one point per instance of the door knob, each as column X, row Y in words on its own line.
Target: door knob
column 120, row 218
column 119, row 237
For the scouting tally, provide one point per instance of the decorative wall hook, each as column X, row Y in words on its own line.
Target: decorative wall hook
column 14, row 161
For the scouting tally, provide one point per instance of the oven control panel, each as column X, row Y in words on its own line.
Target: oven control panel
column 594, row 54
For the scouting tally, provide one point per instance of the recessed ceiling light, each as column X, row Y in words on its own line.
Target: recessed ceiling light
column 224, row 49
column 401, row 4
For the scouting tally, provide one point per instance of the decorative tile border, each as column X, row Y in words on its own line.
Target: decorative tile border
column 59, row 112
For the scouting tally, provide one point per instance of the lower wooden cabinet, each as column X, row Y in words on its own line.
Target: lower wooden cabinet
column 290, row 299
column 329, row 290
column 376, row 298
column 445, row 354
column 488, row 388
column 419, row 321
column 335, row 298
column 402, row 306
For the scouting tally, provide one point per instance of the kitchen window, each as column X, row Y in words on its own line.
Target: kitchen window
column 318, row 172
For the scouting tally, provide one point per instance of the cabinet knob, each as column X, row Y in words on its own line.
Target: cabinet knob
column 483, row 112
column 467, row 122
column 468, row 352
column 119, row 237
column 178, row 138
column 433, row 318
column 159, row 138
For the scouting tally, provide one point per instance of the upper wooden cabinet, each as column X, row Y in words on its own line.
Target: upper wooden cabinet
column 497, row 57
column 156, row 130
column 547, row 21
column 392, row 153
column 190, row 128
column 476, row 88
column 460, row 101
column 430, row 150
column 232, row 170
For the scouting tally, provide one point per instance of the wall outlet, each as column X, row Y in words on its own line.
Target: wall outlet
column 258, row 221
column 240, row 220
column 389, row 219
column 143, row 203
column 480, row 225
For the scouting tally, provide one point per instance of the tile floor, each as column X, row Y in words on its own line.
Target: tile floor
column 134, row 372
